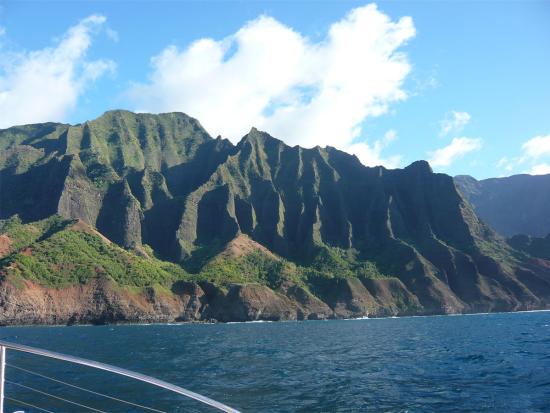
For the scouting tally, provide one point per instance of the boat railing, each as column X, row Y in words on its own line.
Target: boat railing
column 4, row 346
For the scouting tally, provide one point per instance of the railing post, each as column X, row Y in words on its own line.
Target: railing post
column 2, row 372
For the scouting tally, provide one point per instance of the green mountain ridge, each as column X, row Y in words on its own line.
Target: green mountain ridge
column 350, row 239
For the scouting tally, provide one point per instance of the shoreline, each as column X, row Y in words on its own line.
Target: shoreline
column 362, row 318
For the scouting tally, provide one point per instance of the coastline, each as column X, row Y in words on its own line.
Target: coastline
column 199, row 322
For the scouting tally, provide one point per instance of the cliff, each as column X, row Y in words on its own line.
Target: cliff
column 258, row 230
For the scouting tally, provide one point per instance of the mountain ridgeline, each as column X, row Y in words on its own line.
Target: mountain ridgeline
column 257, row 230
column 513, row 205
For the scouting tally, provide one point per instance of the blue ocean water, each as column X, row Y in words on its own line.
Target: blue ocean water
column 475, row 363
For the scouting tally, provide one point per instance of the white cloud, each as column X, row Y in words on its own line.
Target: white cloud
column 454, row 122
column 531, row 151
column 506, row 164
column 270, row 76
column 44, row 85
column 536, row 147
column 456, row 149
column 2, row 30
column 112, row 34
column 424, row 83
column 372, row 155
column 502, row 162
column 540, row 169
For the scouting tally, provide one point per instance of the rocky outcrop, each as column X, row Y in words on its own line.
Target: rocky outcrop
column 251, row 302
column 392, row 297
column 24, row 302
column 5, row 245
column 102, row 301
column 309, row 307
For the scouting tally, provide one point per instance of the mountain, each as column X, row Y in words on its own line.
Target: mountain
column 182, row 226
column 514, row 205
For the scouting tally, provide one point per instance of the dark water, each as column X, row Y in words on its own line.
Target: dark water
column 478, row 363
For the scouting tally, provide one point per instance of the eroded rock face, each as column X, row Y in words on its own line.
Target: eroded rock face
column 252, row 302
column 393, row 297
column 309, row 307
column 347, row 298
column 100, row 301
column 96, row 302
column 119, row 173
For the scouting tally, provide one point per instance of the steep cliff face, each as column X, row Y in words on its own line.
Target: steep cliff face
column 322, row 235
column 513, row 205
column 412, row 223
column 101, row 301
column 123, row 173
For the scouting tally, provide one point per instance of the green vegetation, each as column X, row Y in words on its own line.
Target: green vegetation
column 332, row 262
column 23, row 235
column 52, row 253
column 259, row 267
column 254, row 267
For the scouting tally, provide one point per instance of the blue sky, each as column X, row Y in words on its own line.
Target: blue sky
column 465, row 85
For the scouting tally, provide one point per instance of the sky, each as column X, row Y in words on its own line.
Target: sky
column 462, row 84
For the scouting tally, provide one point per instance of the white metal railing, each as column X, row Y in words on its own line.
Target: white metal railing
column 4, row 345
column 2, row 374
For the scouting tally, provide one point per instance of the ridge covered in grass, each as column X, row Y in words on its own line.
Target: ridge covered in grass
column 57, row 252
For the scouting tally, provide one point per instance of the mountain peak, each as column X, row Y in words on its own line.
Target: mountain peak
column 258, row 137
column 243, row 245
column 117, row 112
column 420, row 166
column 120, row 113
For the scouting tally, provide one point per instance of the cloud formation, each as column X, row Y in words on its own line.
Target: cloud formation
column 455, row 150
column 270, row 76
column 540, row 169
column 536, row 147
column 372, row 155
column 454, row 122
column 44, row 85
column 506, row 164
column 532, row 151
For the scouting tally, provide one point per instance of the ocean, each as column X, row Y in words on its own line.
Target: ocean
column 465, row 363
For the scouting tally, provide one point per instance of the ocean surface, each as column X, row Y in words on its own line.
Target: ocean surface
column 474, row 363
